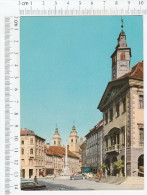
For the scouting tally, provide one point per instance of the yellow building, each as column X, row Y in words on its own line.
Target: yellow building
column 74, row 141
column 31, row 154
column 56, row 140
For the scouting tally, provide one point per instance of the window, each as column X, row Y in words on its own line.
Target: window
column 141, row 101
column 31, row 141
column 76, row 140
column 111, row 141
column 122, row 56
column 106, row 142
column 71, row 140
column 111, row 114
column 141, row 136
column 124, row 105
column 59, row 142
column 22, row 142
column 106, row 118
column 117, row 138
column 22, row 151
column 117, row 110
column 54, row 142
column 31, row 151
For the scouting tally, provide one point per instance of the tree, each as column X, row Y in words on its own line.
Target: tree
column 119, row 165
column 103, row 167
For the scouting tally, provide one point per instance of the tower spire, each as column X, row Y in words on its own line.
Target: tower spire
column 122, row 23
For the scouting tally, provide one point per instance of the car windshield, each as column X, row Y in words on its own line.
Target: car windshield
column 28, row 184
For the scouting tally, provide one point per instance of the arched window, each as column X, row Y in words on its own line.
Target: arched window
column 122, row 56
column 71, row 140
column 54, row 142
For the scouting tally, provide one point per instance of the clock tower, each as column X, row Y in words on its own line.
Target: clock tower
column 121, row 56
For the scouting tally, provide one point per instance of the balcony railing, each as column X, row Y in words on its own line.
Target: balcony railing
column 113, row 148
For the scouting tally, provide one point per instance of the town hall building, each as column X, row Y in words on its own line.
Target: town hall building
column 122, row 105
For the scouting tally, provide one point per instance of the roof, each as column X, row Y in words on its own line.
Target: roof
column 96, row 127
column 136, row 72
column 80, row 151
column 27, row 132
column 59, row 151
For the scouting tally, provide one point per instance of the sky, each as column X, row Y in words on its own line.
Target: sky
column 65, row 66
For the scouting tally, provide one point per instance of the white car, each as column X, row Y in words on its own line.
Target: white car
column 90, row 175
column 50, row 176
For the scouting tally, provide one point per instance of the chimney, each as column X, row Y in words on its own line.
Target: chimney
column 48, row 145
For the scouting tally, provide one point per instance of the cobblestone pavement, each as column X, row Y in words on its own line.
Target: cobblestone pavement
column 66, row 184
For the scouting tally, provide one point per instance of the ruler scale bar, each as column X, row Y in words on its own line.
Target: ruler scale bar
column 7, row 114
column 11, row 97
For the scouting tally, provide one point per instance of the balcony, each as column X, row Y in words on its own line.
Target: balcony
column 114, row 148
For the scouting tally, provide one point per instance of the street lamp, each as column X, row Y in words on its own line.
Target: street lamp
column 125, row 150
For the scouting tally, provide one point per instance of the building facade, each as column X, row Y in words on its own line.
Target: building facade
column 83, row 155
column 123, row 113
column 31, row 154
column 56, row 162
column 94, row 147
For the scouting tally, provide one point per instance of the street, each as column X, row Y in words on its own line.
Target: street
column 66, row 184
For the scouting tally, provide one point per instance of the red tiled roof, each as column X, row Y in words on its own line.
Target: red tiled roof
column 80, row 151
column 100, row 123
column 59, row 151
column 94, row 128
column 29, row 132
column 26, row 131
column 136, row 72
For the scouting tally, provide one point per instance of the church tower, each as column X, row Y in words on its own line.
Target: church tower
column 56, row 140
column 121, row 56
column 74, row 141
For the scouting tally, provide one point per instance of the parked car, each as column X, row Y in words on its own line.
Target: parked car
column 50, row 176
column 77, row 176
column 30, row 185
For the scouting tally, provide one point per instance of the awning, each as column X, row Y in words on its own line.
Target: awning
column 87, row 170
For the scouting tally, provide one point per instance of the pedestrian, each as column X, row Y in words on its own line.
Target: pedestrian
column 35, row 180
column 101, row 173
column 98, row 175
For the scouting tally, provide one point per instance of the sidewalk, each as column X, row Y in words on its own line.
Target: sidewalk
column 121, row 180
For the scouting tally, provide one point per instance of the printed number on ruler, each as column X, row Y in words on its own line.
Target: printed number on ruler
column 86, row 7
